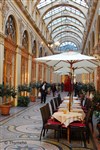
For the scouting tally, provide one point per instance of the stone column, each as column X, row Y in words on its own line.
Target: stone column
column 18, row 70
column 29, row 69
column 98, row 79
column 1, row 57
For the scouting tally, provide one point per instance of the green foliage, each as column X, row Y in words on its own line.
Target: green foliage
column 96, row 105
column 38, row 84
column 49, row 85
column 96, row 101
column 87, row 87
column 24, row 87
column 23, row 101
column 33, row 85
column 97, row 115
column 8, row 91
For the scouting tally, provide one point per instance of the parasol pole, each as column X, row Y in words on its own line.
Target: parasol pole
column 71, row 77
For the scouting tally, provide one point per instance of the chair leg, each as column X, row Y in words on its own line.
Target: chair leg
column 41, row 133
column 44, row 133
column 84, row 137
column 58, row 134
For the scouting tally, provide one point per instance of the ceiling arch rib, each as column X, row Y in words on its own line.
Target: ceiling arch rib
column 66, row 22
column 72, row 38
column 64, row 26
column 69, row 34
column 69, row 38
column 67, row 46
column 72, row 32
column 44, row 3
column 58, row 3
column 65, row 19
column 57, row 13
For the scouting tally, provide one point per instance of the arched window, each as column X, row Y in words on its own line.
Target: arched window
column 25, row 40
column 10, row 28
column 34, row 48
column 40, row 52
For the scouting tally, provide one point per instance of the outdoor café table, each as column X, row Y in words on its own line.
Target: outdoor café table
column 68, row 118
column 67, row 97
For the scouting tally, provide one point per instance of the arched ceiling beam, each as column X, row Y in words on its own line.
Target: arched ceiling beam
column 66, row 17
column 65, row 38
column 82, row 20
column 66, row 25
column 36, row 2
column 72, row 42
column 54, row 37
column 55, row 5
column 78, row 47
column 67, row 34
column 70, row 38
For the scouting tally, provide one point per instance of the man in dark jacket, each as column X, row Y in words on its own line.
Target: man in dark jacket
column 43, row 90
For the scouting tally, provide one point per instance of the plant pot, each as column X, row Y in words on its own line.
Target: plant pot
column 98, row 127
column 32, row 98
column 5, row 109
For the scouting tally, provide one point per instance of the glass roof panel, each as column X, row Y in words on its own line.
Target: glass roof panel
column 43, row 3
column 65, row 20
column 65, row 27
column 81, row 2
column 67, row 46
column 67, row 34
column 63, row 10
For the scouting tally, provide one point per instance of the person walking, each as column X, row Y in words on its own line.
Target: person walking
column 62, row 87
column 43, row 90
column 53, row 89
column 76, row 89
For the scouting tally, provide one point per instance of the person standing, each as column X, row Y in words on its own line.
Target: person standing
column 76, row 90
column 62, row 87
column 43, row 90
column 53, row 89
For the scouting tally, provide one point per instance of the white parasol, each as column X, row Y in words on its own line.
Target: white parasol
column 69, row 60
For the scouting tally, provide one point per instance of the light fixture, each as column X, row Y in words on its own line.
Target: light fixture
column 57, row 43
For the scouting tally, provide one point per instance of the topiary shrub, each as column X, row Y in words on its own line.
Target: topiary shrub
column 23, row 101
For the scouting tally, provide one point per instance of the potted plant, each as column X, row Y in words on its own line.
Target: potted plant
column 6, row 91
column 96, row 107
column 32, row 93
column 23, row 101
column 25, row 88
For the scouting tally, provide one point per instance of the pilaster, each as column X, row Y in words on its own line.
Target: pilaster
column 1, row 57
column 96, row 53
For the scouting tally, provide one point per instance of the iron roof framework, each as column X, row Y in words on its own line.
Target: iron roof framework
column 65, row 20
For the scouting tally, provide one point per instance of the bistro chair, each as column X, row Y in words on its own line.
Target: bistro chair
column 82, row 128
column 48, row 111
column 52, row 106
column 56, row 102
column 49, row 123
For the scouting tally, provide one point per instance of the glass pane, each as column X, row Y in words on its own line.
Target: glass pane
column 63, row 10
column 68, row 46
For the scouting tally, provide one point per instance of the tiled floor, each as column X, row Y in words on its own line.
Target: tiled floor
column 21, row 130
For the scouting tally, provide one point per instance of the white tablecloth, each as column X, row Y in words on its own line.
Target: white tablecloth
column 66, row 119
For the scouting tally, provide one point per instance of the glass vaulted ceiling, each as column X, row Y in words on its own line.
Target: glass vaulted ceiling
column 65, row 20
